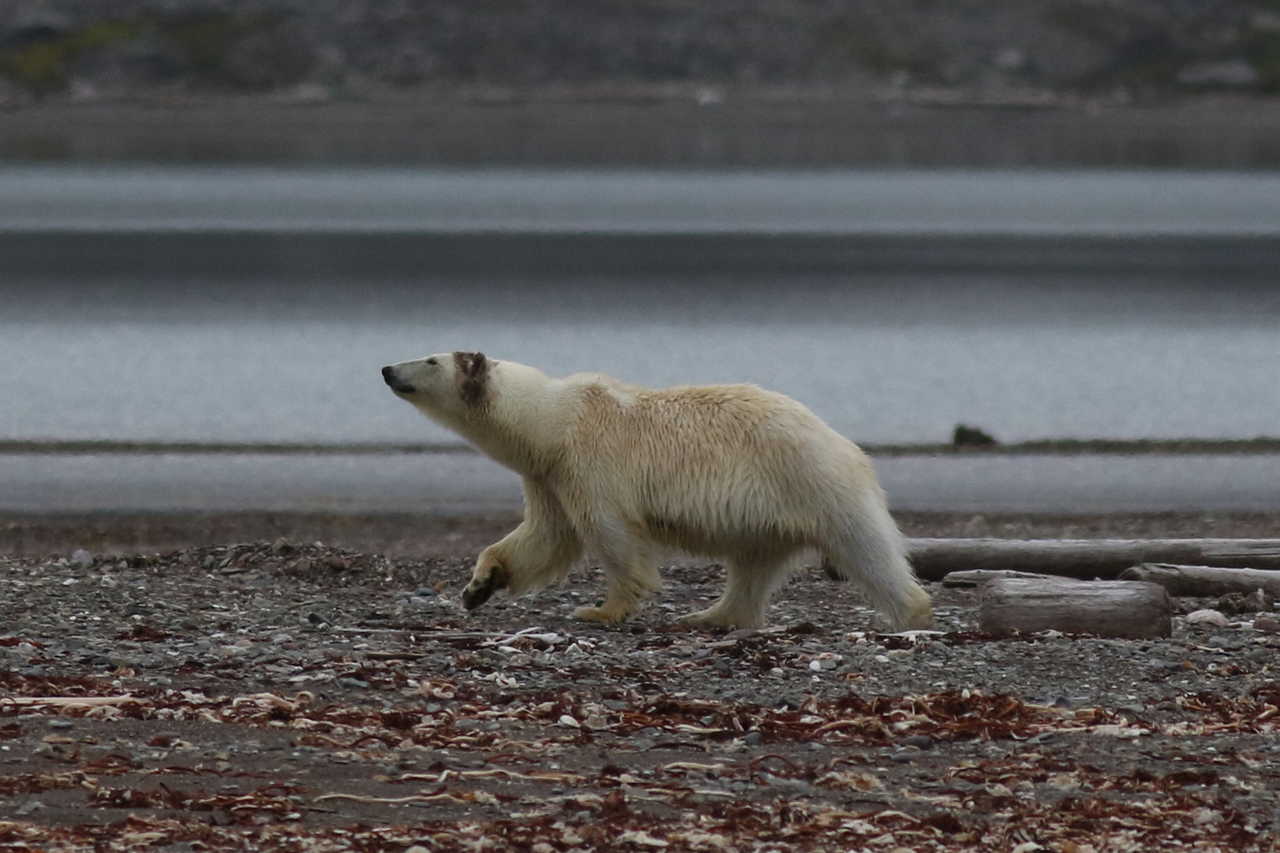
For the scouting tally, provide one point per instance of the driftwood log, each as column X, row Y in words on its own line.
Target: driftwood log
column 1104, row 608
column 1086, row 558
column 977, row 577
column 1205, row 580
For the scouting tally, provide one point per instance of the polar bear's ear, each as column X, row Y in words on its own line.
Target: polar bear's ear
column 473, row 377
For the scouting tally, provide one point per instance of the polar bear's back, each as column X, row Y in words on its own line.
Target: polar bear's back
column 700, row 466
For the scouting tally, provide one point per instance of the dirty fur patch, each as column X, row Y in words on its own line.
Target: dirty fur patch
column 473, row 377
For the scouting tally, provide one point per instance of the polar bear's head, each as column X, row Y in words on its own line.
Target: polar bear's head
column 444, row 385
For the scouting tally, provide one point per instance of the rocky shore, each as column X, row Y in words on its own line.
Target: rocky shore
column 284, row 694
column 266, row 696
column 1035, row 53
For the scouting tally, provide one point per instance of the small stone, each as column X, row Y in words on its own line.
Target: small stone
column 81, row 559
column 1207, row 617
column 1234, row 73
column 58, row 723
column 1267, row 624
column 1257, row 601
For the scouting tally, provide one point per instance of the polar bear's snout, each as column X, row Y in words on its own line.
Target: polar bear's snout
column 397, row 384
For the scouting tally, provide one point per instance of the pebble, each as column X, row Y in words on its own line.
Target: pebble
column 220, row 634
column 1267, row 624
column 81, row 559
column 1207, row 617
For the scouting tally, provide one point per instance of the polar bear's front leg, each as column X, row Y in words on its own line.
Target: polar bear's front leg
column 749, row 583
column 620, row 601
column 631, row 573
column 538, row 552
column 488, row 576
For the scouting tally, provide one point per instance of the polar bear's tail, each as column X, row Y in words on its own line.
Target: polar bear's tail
column 867, row 549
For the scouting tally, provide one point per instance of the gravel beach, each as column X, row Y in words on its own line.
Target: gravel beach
column 162, row 687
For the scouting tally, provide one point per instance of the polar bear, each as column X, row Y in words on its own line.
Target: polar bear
column 731, row 472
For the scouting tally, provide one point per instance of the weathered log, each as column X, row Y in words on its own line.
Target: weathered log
column 977, row 577
column 1205, row 580
column 1104, row 608
column 1086, row 558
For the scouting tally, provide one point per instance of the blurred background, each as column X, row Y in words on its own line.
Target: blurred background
column 1056, row 221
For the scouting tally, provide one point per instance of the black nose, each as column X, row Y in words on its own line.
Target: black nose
column 388, row 375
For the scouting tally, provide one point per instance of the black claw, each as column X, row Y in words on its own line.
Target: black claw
column 476, row 594
column 473, row 596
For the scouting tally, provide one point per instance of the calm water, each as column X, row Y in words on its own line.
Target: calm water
column 1106, row 203
column 189, row 304
column 463, row 483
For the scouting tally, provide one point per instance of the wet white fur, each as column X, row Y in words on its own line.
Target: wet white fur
column 731, row 472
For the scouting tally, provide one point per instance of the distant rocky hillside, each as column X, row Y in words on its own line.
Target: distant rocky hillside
column 321, row 49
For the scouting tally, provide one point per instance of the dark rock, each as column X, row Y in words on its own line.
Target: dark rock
column 34, row 24
column 970, row 436
column 1258, row 601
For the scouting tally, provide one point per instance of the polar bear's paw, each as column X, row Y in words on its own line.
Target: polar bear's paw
column 605, row 614
column 487, row 578
column 717, row 617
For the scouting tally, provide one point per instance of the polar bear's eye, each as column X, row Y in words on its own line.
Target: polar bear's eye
column 432, row 361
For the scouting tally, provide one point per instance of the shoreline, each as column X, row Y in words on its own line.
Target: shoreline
column 638, row 126
column 464, row 484
column 1038, row 447
column 463, row 535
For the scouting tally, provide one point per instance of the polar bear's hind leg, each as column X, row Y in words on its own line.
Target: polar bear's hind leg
column 868, row 551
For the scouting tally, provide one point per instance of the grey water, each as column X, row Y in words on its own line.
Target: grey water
column 256, row 305
column 1073, row 203
column 461, row 484
column 882, row 357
